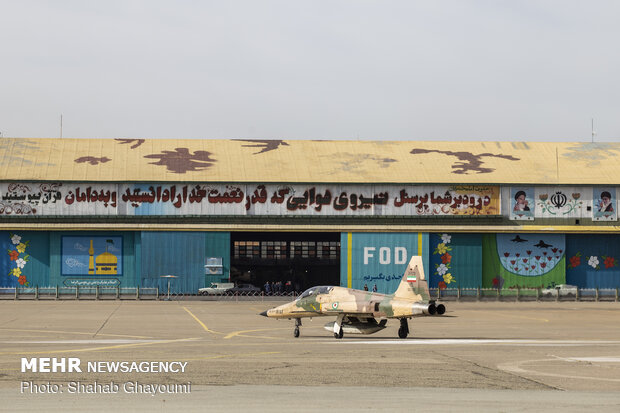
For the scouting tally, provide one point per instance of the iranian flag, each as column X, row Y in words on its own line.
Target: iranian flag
column 411, row 278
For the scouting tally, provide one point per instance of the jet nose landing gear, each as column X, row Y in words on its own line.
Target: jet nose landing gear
column 403, row 331
column 297, row 325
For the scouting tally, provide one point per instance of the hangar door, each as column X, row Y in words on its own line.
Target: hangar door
column 295, row 260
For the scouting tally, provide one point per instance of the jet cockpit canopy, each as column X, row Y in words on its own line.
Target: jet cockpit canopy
column 322, row 289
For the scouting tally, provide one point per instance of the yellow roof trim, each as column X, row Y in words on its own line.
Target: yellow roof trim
column 560, row 229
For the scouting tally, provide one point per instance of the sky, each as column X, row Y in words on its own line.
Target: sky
column 322, row 69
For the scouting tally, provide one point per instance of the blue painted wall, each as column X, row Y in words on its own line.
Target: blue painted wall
column 379, row 258
column 461, row 256
column 582, row 249
column 182, row 254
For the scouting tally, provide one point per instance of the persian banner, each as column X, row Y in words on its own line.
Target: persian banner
column 75, row 199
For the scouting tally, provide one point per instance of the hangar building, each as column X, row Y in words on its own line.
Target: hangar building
column 125, row 212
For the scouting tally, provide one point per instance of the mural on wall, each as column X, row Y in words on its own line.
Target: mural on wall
column 467, row 161
column 593, row 261
column 455, row 260
column 522, row 204
column 379, row 259
column 443, row 268
column 523, row 260
column 134, row 142
column 267, row 145
column 19, row 259
column 561, row 202
column 604, row 204
column 92, row 256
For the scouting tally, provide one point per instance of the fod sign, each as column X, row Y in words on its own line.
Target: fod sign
column 385, row 255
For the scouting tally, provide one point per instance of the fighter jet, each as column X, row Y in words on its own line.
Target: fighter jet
column 542, row 244
column 357, row 311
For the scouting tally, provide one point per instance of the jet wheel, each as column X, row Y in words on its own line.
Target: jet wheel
column 402, row 333
column 339, row 334
column 296, row 332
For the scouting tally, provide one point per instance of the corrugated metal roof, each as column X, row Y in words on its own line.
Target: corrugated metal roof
column 314, row 161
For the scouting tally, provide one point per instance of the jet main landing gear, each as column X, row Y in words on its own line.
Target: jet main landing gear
column 338, row 333
column 297, row 325
column 403, row 331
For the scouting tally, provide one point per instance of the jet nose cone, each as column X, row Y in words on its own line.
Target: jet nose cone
column 264, row 313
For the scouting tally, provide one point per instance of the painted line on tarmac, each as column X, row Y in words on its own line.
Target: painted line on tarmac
column 593, row 359
column 515, row 367
column 222, row 356
column 201, row 323
column 543, row 320
column 70, row 332
column 103, row 341
column 242, row 332
column 83, row 350
column 517, row 342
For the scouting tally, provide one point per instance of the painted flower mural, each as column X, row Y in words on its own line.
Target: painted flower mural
column 609, row 261
column 529, row 255
column 593, row 262
column 446, row 258
column 16, row 256
column 574, row 261
column 443, row 250
column 560, row 204
column 442, row 269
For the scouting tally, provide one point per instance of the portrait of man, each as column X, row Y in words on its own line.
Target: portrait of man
column 522, row 203
column 603, row 206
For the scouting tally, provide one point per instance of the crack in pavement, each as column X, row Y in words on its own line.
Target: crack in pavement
column 106, row 320
column 496, row 370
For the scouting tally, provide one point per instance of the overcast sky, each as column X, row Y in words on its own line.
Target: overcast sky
column 445, row 70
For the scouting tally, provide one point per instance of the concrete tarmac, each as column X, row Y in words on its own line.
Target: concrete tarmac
column 489, row 356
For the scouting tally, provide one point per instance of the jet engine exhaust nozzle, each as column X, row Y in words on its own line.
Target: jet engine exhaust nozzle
column 432, row 309
column 421, row 309
column 441, row 309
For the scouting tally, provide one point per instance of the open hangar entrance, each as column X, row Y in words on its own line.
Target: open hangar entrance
column 295, row 260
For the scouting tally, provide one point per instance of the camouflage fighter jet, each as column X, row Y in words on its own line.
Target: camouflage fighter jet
column 357, row 311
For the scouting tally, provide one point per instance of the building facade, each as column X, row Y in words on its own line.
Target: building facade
column 125, row 212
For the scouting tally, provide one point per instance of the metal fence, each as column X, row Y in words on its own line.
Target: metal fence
column 138, row 293
column 79, row 293
column 524, row 294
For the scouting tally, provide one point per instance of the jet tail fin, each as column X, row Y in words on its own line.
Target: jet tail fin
column 414, row 283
